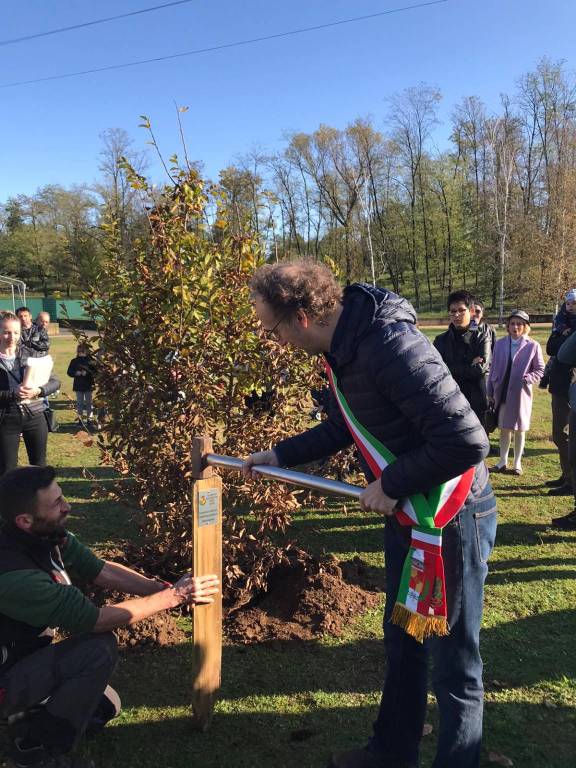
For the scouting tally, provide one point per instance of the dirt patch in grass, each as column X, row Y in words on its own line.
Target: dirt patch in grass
column 160, row 629
column 306, row 597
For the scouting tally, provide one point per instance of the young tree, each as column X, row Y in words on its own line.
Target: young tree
column 180, row 355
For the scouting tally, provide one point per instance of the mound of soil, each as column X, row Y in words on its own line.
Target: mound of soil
column 306, row 597
column 160, row 629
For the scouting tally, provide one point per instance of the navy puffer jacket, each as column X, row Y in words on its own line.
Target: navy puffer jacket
column 399, row 389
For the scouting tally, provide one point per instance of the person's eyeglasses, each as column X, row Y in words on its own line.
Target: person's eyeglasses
column 458, row 311
column 272, row 333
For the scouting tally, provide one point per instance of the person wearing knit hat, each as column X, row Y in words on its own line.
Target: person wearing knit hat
column 517, row 365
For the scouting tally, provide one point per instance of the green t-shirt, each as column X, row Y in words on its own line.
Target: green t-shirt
column 33, row 597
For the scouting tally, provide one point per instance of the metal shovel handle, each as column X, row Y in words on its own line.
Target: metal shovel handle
column 315, row 482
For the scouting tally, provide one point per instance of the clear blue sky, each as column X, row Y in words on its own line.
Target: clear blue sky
column 250, row 96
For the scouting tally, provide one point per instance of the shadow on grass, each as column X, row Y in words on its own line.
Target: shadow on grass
column 504, row 565
column 513, row 534
column 530, row 735
column 525, row 652
column 258, row 670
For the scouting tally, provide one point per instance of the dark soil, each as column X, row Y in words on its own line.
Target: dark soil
column 307, row 597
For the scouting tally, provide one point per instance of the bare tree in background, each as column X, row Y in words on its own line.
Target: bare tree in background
column 412, row 116
column 119, row 199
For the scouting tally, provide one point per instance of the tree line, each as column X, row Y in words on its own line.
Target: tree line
column 494, row 211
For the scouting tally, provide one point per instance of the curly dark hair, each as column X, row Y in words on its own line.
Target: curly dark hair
column 293, row 285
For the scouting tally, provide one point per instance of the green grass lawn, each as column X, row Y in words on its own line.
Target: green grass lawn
column 291, row 706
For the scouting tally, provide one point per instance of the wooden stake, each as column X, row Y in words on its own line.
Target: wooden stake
column 207, row 542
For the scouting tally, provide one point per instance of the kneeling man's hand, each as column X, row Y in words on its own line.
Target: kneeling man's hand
column 197, row 589
column 373, row 499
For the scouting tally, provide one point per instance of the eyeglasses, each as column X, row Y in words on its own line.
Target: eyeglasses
column 272, row 333
column 459, row 311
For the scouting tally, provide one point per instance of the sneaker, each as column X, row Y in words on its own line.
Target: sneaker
column 364, row 758
column 566, row 522
column 555, row 483
column 108, row 708
column 563, row 490
column 497, row 469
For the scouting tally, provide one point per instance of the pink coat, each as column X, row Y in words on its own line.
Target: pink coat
column 527, row 369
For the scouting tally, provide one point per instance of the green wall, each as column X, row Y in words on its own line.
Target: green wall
column 74, row 309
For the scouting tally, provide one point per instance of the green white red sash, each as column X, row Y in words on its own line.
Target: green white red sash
column 421, row 601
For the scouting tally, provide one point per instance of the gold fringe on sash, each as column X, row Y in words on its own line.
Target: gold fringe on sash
column 418, row 626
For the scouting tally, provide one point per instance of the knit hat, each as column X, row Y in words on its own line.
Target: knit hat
column 524, row 316
column 571, row 295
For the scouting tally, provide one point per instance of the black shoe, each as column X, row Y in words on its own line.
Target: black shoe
column 497, row 470
column 108, row 708
column 364, row 758
column 566, row 522
column 563, row 490
column 558, row 483
column 25, row 755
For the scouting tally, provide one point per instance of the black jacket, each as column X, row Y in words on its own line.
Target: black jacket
column 400, row 390
column 20, row 551
column 458, row 350
column 82, row 383
column 7, row 397
column 560, row 374
column 35, row 341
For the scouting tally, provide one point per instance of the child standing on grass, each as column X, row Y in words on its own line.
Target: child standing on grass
column 82, row 369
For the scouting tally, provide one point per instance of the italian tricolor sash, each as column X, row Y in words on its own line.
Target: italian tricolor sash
column 420, row 606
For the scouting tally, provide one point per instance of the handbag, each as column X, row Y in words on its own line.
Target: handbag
column 51, row 420
column 491, row 419
column 49, row 415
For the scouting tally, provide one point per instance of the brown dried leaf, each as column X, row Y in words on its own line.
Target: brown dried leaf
column 496, row 757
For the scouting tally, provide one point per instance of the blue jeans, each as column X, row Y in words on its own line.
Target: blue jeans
column 467, row 542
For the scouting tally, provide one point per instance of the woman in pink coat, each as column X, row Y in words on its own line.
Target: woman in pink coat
column 517, row 364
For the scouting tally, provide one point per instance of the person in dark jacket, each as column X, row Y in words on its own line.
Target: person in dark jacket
column 479, row 322
column 467, row 350
column 560, row 376
column 567, row 356
column 51, row 692
column 33, row 338
column 82, row 369
column 400, row 391
column 21, row 408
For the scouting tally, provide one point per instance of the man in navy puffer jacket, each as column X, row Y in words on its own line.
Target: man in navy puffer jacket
column 399, row 389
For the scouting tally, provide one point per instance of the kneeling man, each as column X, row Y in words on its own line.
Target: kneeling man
column 51, row 693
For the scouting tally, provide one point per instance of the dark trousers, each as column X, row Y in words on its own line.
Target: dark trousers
column 560, row 420
column 33, row 428
column 572, row 449
column 467, row 542
column 74, row 674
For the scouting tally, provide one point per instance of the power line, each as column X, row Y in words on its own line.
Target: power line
column 223, row 46
column 92, row 23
